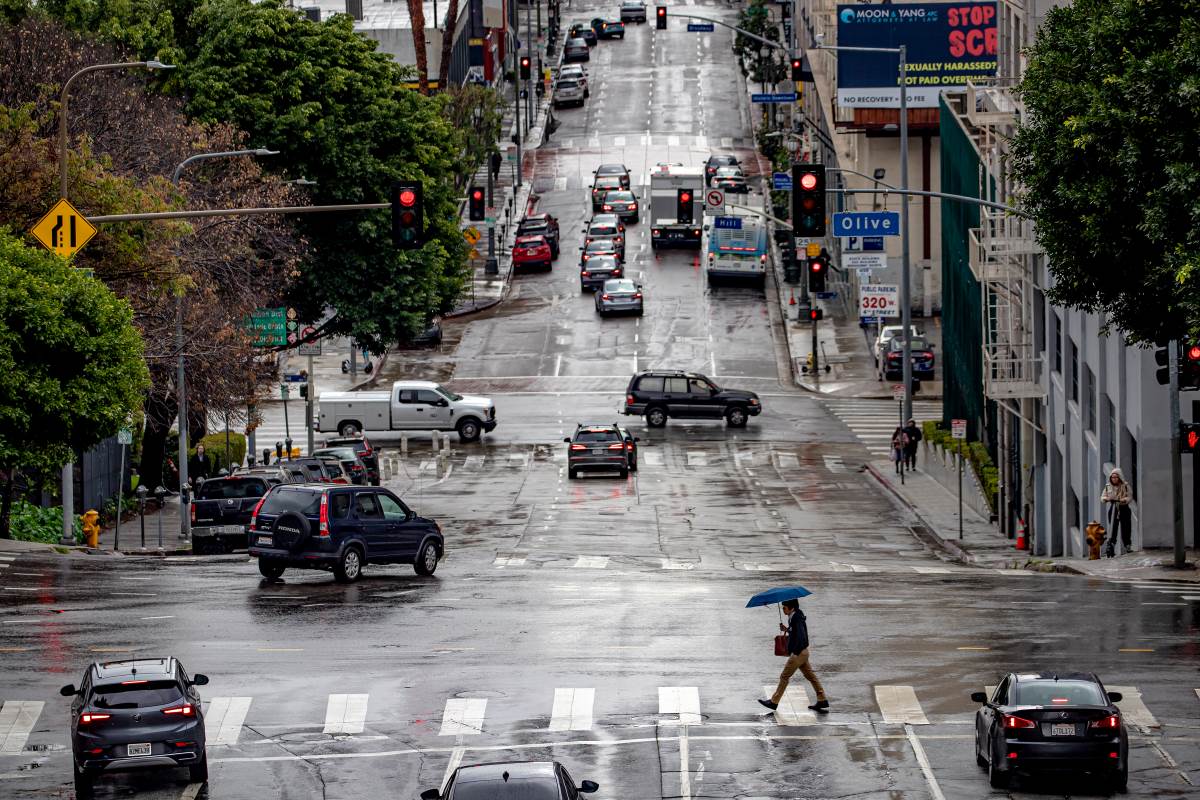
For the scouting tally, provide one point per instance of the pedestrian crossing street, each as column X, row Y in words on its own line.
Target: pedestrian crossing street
column 564, row 709
column 873, row 421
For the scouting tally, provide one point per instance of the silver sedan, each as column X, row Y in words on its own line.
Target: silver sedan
column 620, row 295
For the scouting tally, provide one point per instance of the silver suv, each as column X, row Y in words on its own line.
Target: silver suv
column 568, row 91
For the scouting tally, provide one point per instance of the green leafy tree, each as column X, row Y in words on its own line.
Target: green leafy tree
column 1110, row 160
column 71, row 364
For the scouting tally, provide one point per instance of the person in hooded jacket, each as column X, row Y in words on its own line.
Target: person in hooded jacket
column 1118, row 494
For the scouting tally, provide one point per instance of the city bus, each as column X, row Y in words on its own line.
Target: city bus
column 736, row 248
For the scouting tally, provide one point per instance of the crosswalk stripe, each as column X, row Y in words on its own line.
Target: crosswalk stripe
column 509, row 561
column 463, row 717
column 591, row 562
column 899, row 704
column 793, row 707
column 17, row 718
column 1132, row 707
column 695, row 458
column 668, row 563
column 834, row 464
column 672, row 141
column 473, row 463
column 225, row 715
column 651, row 458
column 787, row 461
column 345, row 713
column 572, row 710
column 618, row 141
column 932, row 570
column 681, row 700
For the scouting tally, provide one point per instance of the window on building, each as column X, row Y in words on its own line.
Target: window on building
column 1074, row 372
column 1129, row 460
column 1073, row 508
column 1056, row 332
column 1110, row 431
column 1090, row 388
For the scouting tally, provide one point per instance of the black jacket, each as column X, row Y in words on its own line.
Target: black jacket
column 200, row 467
column 914, row 436
column 797, row 633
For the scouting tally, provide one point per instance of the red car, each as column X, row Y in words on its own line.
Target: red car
column 531, row 251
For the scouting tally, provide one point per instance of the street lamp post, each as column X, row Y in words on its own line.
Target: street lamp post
column 905, row 287
column 185, row 519
column 68, row 471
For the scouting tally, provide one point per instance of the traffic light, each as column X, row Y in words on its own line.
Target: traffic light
column 1189, row 365
column 1189, row 437
column 476, row 205
column 407, row 215
column 684, row 203
column 818, row 266
column 525, row 68
column 797, row 69
column 815, row 314
column 1162, row 358
column 808, row 200
column 660, row 18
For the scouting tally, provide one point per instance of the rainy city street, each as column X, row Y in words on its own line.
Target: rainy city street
column 601, row 621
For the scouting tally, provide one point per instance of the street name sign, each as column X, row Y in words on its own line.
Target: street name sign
column 878, row 300
column 864, row 260
column 125, row 436
column 63, row 230
column 729, row 223
column 958, row 429
column 700, row 27
column 268, row 327
column 781, row 181
column 774, row 97
column 858, row 223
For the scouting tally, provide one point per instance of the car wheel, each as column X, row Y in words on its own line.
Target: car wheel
column 427, row 559
column 348, row 429
column 736, row 417
column 997, row 779
column 270, row 569
column 468, row 429
column 199, row 772
column 633, row 465
column 348, row 568
column 84, row 784
column 656, row 416
column 624, row 473
column 1120, row 779
column 572, row 474
column 979, row 759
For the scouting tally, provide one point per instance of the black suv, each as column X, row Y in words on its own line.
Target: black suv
column 687, row 395
column 133, row 715
column 369, row 455
column 221, row 511
column 340, row 528
column 601, row 448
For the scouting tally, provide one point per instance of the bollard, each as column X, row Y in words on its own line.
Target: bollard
column 404, row 445
column 446, row 445
column 434, row 438
column 141, row 493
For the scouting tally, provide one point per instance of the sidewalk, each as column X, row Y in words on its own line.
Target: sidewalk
column 131, row 532
column 936, row 511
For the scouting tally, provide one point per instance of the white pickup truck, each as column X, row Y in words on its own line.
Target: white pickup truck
column 409, row 406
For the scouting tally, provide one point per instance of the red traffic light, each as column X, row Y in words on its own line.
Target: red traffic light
column 408, row 197
column 684, row 197
column 808, row 181
column 1193, row 353
column 662, row 11
column 477, row 194
column 817, row 266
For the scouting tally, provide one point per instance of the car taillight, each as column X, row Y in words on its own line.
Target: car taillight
column 254, row 513
column 323, row 519
column 696, row 232
column 184, row 710
column 88, row 719
column 619, row 239
column 628, row 399
column 193, row 505
column 607, row 207
column 628, row 445
column 617, row 446
column 617, row 272
column 763, row 258
column 712, row 257
column 1010, row 722
column 585, row 273
column 633, row 206
column 586, row 256
column 1111, row 723
column 656, row 232
column 579, row 447
column 637, row 295
column 605, row 297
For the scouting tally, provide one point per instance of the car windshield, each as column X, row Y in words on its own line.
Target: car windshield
column 601, row 246
column 597, row 435
column 530, row 241
column 230, row 488
column 344, row 453
column 359, row 445
column 568, row 83
column 603, row 230
column 729, row 172
column 517, row 789
column 623, row 285
column 576, row 42
column 283, row 499
column 136, row 694
column 449, row 395
column 611, row 169
column 1057, row 693
column 620, row 197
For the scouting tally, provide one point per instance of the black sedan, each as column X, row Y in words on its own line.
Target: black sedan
column 620, row 171
column 1045, row 721
column 135, row 715
column 585, row 32
column 623, row 203
column 599, row 270
column 511, row 780
column 601, row 448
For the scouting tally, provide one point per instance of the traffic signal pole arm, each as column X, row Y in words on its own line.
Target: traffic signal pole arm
column 746, row 33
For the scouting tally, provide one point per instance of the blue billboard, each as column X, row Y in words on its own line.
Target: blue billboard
column 947, row 44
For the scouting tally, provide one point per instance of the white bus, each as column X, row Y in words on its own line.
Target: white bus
column 736, row 247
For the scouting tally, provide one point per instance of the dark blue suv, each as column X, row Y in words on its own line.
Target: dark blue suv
column 340, row 529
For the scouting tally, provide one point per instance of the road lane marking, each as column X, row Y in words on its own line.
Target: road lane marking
column 696, row 458
column 591, row 562
column 668, row 563
column 900, row 704
column 225, row 715
column 456, row 757
column 345, row 713
column 463, row 716
column 932, row 570
column 651, row 458
column 919, row 751
column 1136, row 650
column 787, row 461
column 685, row 770
column 280, row 649
column 1133, row 709
column 572, row 709
column 973, row 647
column 509, row 561
column 681, row 700
column 793, row 708
column 17, row 718
column 163, row 616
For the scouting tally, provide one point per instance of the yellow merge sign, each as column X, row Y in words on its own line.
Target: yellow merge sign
column 64, row 230
column 472, row 235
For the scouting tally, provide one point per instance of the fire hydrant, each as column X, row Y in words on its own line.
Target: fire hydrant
column 91, row 527
column 1095, row 538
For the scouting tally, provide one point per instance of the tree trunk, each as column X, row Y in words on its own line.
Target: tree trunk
column 416, row 12
column 160, row 414
column 448, row 44
column 7, row 478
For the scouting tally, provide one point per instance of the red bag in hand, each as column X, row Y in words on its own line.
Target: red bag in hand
column 781, row 644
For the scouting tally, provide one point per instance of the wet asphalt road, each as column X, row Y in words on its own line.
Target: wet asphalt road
column 600, row 622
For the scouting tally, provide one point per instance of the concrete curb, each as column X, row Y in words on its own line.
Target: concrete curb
column 954, row 550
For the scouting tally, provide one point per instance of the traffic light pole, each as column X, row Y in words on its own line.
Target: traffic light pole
column 1176, row 459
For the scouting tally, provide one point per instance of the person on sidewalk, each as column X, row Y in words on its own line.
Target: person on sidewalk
column 898, row 448
column 797, row 631
column 200, row 466
column 1118, row 495
column 910, row 445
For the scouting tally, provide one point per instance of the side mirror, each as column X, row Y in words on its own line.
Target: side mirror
column 70, row 691
column 587, row 787
column 431, row 794
column 637, row 438
column 199, row 679
column 1115, row 697
column 978, row 697
column 567, row 439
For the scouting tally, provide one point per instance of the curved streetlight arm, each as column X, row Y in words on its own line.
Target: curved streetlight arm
column 260, row 151
column 62, row 110
column 874, row 180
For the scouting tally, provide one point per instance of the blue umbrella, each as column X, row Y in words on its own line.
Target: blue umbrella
column 778, row 596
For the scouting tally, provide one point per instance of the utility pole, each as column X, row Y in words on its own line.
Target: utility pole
column 516, row 72
column 1176, row 458
column 905, row 287
column 529, row 55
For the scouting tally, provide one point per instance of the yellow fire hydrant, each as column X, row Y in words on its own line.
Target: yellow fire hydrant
column 91, row 527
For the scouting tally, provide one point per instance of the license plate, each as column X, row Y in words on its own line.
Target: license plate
column 137, row 749
column 267, row 540
column 229, row 529
column 1062, row 730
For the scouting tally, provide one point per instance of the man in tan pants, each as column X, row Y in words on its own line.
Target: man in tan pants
column 797, row 631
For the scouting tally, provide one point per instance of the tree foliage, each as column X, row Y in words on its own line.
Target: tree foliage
column 71, row 363
column 1109, row 156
